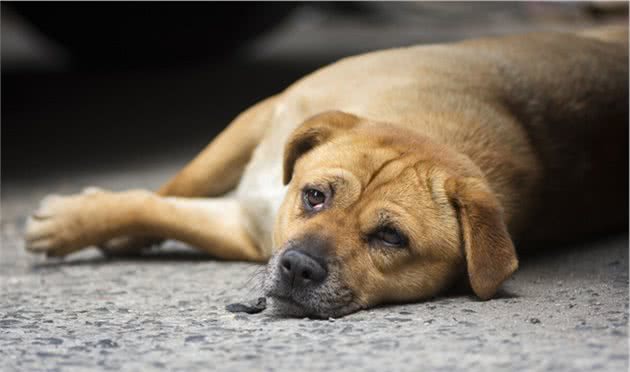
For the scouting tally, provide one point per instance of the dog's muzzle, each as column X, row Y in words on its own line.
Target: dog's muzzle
column 305, row 279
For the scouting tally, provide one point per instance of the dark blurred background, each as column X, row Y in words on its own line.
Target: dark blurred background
column 90, row 87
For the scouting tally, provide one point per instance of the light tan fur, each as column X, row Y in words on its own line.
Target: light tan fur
column 463, row 146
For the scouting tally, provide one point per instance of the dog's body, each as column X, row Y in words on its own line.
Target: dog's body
column 526, row 134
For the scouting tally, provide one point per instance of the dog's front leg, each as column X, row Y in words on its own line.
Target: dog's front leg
column 65, row 224
column 213, row 172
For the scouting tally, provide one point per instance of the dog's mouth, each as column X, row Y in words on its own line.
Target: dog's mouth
column 287, row 305
column 286, row 300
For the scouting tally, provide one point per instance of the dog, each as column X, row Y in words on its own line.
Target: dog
column 391, row 176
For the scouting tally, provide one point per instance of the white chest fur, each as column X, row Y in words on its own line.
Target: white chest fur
column 261, row 190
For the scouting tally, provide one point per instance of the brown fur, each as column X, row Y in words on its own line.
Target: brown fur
column 464, row 147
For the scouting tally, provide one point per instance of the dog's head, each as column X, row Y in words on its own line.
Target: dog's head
column 377, row 214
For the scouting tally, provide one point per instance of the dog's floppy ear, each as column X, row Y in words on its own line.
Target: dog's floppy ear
column 310, row 134
column 489, row 251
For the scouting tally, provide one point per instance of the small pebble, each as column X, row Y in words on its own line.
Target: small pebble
column 107, row 343
column 252, row 307
column 197, row 338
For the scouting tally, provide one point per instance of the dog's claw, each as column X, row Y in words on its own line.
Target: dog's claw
column 56, row 226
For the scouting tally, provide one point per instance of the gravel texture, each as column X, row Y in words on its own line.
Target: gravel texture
column 564, row 310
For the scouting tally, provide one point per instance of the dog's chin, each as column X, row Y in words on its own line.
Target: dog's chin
column 288, row 307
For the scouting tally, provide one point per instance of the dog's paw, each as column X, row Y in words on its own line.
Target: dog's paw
column 61, row 224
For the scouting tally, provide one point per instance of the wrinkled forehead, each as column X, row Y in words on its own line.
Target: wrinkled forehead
column 362, row 155
column 360, row 166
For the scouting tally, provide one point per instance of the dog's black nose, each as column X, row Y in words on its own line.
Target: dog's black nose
column 298, row 269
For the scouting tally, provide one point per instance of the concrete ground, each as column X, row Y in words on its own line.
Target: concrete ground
column 566, row 309
column 563, row 311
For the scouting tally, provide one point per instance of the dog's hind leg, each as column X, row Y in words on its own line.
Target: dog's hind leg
column 65, row 224
column 213, row 172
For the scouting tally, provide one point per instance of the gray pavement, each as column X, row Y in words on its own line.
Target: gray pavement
column 566, row 309
column 563, row 310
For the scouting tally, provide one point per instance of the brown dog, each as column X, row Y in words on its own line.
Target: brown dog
column 434, row 159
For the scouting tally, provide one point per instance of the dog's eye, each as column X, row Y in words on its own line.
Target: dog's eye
column 314, row 199
column 390, row 237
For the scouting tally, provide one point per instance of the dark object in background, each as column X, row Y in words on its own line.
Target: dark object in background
column 133, row 34
column 145, row 83
column 250, row 307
